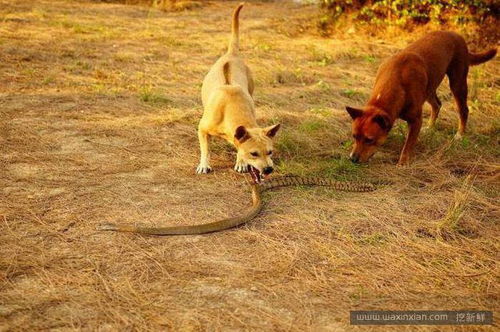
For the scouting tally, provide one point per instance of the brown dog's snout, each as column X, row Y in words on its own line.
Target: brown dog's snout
column 267, row 170
column 355, row 157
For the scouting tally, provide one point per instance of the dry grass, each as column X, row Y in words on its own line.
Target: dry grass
column 99, row 104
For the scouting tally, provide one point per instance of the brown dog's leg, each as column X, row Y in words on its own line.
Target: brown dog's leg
column 435, row 103
column 413, row 131
column 458, row 86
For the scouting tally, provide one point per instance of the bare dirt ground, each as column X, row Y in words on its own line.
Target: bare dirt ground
column 99, row 105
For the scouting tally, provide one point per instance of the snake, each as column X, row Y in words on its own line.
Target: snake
column 250, row 213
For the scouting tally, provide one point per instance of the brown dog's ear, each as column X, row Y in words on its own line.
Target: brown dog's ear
column 241, row 134
column 354, row 112
column 272, row 130
column 383, row 121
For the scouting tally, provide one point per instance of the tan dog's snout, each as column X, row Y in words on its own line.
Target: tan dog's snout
column 268, row 170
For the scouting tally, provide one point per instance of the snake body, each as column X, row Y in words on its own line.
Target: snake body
column 250, row 213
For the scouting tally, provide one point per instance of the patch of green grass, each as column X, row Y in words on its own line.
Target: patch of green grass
column 221, row 147
column 321, row 59
column 321, row 111
column 294, row 167
column 497, row 97
column 350, row 53
column 359, row 294
column 84, row 65
column 323, row 85
column 475, row 104
column 263, row 47
column 347, row 145
column 473, row 143
column 476, row 82
column 83, row 28
column 352, row 94
column 98, row 87
column 31, row 72
column 39, row 13
column 106, row 90
column 465, row 142
column 123, row 57
column 398, row 133
column 169, row 40
column 309, row 126
column 375, row 239
column 340, row 169
column 289, row 145
column 431, row 138
column 149, row 95
column 49, row 79
column 369, row 58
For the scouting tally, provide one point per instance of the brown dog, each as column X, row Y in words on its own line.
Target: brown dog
column 405, row 82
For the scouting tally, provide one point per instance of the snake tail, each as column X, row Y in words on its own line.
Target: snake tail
column 249, row 214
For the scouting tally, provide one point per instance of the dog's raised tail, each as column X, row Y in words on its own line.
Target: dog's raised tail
column 234, row 43
column 477, row 58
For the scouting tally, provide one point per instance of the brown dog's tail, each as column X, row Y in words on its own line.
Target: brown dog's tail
column 477, row 58
column 234, row 43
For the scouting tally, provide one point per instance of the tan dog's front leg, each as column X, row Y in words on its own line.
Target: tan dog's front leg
column 204, row 166
column 241, row 166
column 411, row 139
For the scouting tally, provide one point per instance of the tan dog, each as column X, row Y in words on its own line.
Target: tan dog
column 229, row 113
column 405, row 82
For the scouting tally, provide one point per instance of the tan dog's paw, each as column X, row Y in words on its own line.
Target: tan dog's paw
column 203, row 169
column 458, row 136
column 241, row 167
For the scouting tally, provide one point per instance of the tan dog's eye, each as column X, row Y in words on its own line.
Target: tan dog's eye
column 269, row 153
column 254, row 154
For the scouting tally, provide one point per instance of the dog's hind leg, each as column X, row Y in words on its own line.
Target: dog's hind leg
column 435, row 103
column 458, row 86
column 204, row 166
column 250, row 81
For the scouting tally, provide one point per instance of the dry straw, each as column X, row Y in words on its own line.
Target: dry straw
column 98, row 111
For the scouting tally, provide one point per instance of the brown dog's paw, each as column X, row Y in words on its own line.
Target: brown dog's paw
column 403, row 161
column 458, row 136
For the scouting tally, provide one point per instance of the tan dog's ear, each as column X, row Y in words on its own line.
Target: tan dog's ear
column 241, row 134
column 354, row 112
column 272, row 130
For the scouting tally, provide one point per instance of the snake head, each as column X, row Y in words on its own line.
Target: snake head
column 257, row 176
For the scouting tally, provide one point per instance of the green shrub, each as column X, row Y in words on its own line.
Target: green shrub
column 407, row 12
